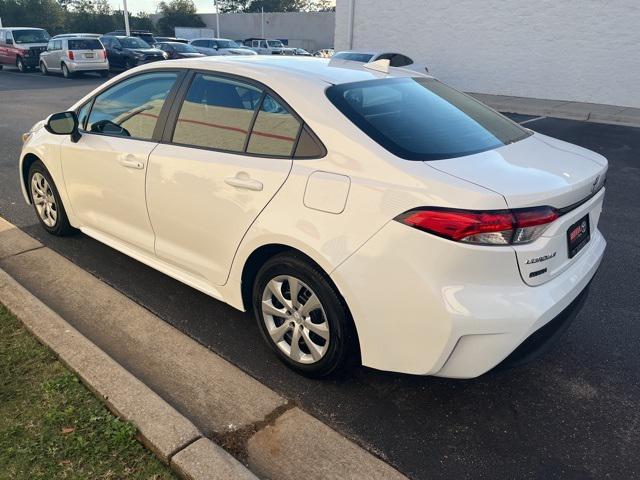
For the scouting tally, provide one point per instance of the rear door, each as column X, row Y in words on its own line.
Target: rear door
column 226, row 151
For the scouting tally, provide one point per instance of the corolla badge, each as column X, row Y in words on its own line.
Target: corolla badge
column 543, row 258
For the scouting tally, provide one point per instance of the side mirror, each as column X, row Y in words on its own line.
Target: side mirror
column 9, row 41
column 64, row 123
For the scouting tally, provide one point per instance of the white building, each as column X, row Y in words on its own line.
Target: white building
column 580, row 50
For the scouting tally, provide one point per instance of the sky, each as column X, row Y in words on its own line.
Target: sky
column 150, row 6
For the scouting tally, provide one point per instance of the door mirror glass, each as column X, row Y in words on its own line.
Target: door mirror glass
column 64, row 123
column 9, row 41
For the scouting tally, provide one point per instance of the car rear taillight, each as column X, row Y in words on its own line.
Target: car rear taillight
column 103, row 54
column 492, row 227
column 71, row 55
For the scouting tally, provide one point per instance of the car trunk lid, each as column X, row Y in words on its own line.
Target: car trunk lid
column 540, row 171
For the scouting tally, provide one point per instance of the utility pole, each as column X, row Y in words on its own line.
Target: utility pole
column 127, row 30
column 261, row 22
column 215, row 2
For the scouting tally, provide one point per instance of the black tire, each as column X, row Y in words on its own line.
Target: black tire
column 65, row 71
column 342, row 352
column 129, row 64
column 43, row 69
column 62, row 227
column 20, row 65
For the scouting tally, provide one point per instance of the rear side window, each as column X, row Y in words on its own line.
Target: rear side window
column 85, row 44
column 275, row 130
column 216, row 113
column 131, row 108
column 422, row 118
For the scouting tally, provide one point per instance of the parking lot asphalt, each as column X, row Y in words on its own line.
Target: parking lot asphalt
column 574, row 413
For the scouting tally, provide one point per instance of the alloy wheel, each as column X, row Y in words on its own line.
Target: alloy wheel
column 295, row 319
column 20, row 65
column 44, row 200
column 43, row 68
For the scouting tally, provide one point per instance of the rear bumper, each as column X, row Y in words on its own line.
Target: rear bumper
column 87, row 66
column 425, row 305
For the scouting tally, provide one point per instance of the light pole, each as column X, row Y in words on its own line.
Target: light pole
column 215, row 3
column 127, row 30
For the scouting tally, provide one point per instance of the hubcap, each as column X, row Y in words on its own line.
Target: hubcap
column 295, row 319
column 44, row 200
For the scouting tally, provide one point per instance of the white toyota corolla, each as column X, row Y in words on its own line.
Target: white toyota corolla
column 364, row 214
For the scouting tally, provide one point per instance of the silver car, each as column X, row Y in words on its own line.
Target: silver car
column 71, row 55
column 219, row 46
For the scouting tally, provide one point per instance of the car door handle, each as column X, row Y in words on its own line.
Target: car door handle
column 242, row 180
column 131, row 162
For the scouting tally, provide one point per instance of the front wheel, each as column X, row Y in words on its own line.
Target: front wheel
column 46, row 201
column 43, row 69
column 104, row 73
column 20, row 65
column 303, row 318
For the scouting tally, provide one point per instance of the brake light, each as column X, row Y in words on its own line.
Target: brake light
column 492, row 227
column 71, row 56
column 103, row 54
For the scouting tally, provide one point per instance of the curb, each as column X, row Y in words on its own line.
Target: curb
column 176, row 391
column 161, row 428
column 586, row 112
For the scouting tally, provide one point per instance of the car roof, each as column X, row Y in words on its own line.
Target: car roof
column 283, row 68
column 21, row 28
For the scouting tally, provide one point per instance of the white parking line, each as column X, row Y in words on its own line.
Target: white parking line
column 531, row 120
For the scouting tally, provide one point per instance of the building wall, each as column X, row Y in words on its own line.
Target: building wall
column 309, row 30
column 580, row 50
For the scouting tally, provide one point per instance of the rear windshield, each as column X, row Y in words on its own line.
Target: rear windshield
column 422, row 118
column 85, row 44
column 354, row 57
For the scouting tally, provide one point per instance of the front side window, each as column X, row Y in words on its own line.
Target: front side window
column 57, row 45
column 275, row 44
column 50, row 46
column 132, row 107
column 216, row 113
column 422, row 118
column 30, row 36
column 275, row 130
column 198, row 43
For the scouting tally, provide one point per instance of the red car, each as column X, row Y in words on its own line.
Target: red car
column 22, row 46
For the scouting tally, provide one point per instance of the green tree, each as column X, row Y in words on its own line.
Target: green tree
column 47, row 14
column 178, row 13
column 233, row 6
column 276, row 5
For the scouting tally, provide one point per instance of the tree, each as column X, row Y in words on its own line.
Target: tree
column 276, row 5
column 178, row 13
column 233, row 6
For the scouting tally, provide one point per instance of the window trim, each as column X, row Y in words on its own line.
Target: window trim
column 172, row 117
column 162, row 118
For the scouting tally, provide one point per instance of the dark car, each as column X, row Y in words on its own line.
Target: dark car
column 145, row 35
column 128, row 52
column 171, row 39
column 178, row 50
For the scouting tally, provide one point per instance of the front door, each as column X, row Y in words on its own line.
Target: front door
column 228, row 155
column 104, row 171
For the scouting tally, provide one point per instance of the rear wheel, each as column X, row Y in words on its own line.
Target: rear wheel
column 303, row 318
column 21, row 65
column 65, row 71
column 43, row 69
column 46, row 201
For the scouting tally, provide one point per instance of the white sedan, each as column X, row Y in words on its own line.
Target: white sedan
column 361, row 216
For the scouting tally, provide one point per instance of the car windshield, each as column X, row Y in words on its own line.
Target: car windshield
column 133, row 42
column 30, row 36
column 226, row 44
column 353, row 57
column 85, row 44
column 422, row 118
column 184, row 48
column 275, row 43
